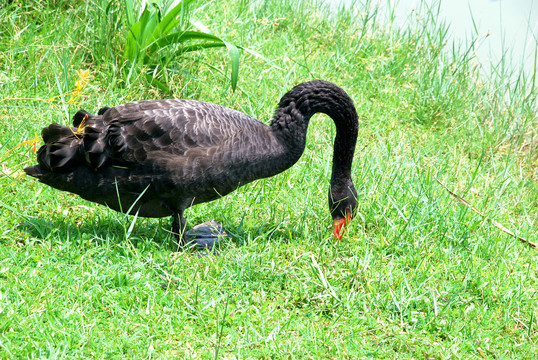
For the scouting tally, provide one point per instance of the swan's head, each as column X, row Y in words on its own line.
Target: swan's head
column 342, row 204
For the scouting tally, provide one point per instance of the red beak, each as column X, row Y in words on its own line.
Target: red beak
column 339, row 226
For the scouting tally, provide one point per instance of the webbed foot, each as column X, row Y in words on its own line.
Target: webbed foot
column 205, row 236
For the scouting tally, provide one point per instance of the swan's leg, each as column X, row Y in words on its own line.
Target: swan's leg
column 202, row 237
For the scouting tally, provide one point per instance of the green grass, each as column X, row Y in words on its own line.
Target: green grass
column 417, row 275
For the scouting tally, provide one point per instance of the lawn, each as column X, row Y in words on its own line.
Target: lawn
column 418, row 274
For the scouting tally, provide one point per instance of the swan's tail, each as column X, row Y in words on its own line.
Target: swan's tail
column 64, row 146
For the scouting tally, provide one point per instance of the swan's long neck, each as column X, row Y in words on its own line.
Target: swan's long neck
column 290, row 123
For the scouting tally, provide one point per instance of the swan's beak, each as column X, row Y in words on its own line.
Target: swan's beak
column 339, row 226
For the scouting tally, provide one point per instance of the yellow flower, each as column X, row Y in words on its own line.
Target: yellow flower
column 33, row 142
column 83, row 79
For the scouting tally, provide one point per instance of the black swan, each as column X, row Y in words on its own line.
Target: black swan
column 162, row 156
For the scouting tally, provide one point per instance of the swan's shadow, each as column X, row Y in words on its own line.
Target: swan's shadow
column 106, row 230
column 99, row 230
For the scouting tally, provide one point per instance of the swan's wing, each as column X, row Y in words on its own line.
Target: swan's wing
column 134, row 131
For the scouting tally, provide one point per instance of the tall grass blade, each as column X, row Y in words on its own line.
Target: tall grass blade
column 129, row 11
column 131, row 226
column 171, row 20
column 234, row 56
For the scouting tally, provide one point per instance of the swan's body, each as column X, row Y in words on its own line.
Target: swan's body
column 166, row 155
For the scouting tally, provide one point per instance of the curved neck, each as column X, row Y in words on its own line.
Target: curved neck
column 290, row 123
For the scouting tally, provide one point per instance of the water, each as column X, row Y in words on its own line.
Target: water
column 506, row 30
